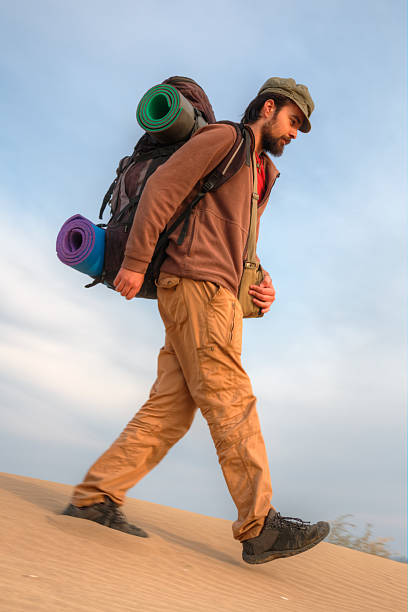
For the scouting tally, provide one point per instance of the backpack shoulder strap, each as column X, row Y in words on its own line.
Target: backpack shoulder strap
column 238, row 155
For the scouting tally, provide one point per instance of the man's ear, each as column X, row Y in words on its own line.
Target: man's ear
column 268, row 109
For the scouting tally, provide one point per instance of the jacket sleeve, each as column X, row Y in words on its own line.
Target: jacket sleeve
column 169, row 186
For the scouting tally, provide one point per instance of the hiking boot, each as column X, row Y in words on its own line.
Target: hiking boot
column 105, row 513
column 283, row 536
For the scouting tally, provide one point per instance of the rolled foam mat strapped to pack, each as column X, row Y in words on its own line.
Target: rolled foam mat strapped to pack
column 81, row 245
column 166, row 113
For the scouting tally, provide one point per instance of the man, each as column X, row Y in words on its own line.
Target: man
column 200, row 363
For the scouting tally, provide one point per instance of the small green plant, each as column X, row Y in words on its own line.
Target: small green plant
column 341, row 534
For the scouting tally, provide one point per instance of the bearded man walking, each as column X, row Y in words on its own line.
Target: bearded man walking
column 199, row 365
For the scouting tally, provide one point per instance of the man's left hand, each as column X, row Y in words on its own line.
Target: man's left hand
column 263, row 295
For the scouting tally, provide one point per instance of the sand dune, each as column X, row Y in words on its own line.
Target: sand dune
column 190, row 563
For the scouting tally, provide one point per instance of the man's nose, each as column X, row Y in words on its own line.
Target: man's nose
column 293, row 133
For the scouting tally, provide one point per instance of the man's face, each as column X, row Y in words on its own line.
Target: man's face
column 280, row 127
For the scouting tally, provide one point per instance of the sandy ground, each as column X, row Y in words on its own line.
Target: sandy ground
column 189, row 563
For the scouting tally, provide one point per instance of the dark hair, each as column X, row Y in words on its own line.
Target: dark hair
column 254, row 108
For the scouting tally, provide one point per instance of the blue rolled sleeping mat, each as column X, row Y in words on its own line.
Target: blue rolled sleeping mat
column 81, row 245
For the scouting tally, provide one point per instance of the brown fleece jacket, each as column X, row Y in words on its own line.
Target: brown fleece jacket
column 214, row 247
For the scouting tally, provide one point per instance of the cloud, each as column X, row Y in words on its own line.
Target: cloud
column 62, row 347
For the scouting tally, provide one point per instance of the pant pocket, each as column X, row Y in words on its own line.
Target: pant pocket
column 219, row 392
column 167, row 281
column 224, row 316
column 171, row 302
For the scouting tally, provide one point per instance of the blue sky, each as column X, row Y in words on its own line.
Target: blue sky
column 328, row 362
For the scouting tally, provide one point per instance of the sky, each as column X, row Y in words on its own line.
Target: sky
column 328, row 362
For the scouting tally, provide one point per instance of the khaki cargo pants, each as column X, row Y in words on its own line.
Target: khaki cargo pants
column 199, row 366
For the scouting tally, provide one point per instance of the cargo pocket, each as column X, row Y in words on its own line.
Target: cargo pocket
column 171, row 300
column 235, row 333
column 219, row 392
column 224, row 315
column 167, row 281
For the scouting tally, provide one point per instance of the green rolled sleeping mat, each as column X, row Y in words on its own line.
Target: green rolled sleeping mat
column 167, row 115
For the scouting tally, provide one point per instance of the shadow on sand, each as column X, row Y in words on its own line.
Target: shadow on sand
column 44, row 495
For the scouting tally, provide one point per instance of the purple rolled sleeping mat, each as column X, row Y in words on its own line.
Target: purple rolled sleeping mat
column 81, row 245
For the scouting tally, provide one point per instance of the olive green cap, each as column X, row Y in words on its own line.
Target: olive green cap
column 297, row 92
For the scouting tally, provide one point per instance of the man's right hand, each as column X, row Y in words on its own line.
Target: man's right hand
column 128, row 283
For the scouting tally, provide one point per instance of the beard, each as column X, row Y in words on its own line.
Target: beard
column 270, row 144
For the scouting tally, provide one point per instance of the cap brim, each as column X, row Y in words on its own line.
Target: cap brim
column 306, row 125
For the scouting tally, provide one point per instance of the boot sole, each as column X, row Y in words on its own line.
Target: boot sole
column 271, row 555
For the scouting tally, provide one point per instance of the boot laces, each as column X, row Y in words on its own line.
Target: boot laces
column 112, row 512
column 119, row 516
column 290, row 522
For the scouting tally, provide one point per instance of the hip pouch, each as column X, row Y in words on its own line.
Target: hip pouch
column 250, row 276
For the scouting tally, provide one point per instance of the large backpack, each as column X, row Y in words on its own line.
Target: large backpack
column 132, row 174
